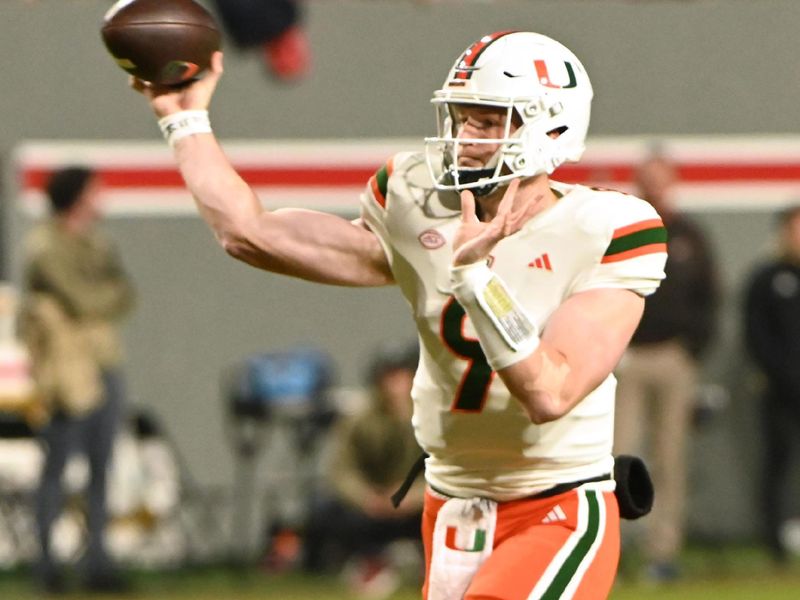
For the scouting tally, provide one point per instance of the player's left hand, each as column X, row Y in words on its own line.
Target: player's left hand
column 475, row 239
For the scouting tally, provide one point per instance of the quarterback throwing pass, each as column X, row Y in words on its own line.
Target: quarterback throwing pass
column 525, row 292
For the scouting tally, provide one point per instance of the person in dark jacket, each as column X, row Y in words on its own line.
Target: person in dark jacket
column 658, row 374
column 772, row 337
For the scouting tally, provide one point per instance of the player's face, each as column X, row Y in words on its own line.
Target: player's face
column 479, row 122
column 89, row 204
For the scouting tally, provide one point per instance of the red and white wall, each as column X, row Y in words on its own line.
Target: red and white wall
column 717, row 173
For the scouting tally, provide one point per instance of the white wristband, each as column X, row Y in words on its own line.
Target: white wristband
column 183, row 124
column 506, row 333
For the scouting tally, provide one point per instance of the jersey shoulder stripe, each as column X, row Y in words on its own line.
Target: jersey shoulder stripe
column 380, row 182
column 637, row 239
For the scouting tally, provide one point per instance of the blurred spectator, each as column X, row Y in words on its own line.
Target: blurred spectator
column 77, row 294
column 772, row 333
column 373, row 450
column 19, row 398
column 144, row 495
column 658, row 374
column 273, row 28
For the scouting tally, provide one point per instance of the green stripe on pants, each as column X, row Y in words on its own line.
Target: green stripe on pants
column 573, row 561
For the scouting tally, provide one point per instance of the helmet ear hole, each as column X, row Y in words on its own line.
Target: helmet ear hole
column 532, row 109
column 556, row 109
column 554, row 133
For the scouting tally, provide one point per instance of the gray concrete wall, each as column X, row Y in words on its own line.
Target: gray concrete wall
column 703, row 66
column 659, row 67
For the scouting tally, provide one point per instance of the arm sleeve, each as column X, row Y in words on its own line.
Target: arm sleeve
column 632, row 243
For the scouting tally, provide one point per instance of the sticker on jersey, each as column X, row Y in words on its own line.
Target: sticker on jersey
column 431, row 239
column 546, row 80
column 509, row 319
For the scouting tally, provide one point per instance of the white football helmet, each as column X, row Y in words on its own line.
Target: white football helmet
column 545, row 90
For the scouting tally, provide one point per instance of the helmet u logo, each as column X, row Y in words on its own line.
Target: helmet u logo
column 478, row 541
column 544, row 76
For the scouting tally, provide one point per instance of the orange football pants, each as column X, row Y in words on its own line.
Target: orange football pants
column 562, row 547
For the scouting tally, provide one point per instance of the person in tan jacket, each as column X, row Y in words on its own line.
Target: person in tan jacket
column 353, row 522
column 77, row 294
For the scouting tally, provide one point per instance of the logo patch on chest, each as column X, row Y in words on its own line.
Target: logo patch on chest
column 431, row 239
column 541, row 262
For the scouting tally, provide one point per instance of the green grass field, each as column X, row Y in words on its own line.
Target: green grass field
column 729, row 574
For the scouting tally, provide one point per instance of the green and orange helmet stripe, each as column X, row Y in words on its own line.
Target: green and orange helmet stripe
column 637, row 239
column 466, row 64
column 379, row 183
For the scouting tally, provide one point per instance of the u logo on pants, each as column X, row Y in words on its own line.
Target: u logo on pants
column 562, row 547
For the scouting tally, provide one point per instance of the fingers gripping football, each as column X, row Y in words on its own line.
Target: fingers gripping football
column 195, row 95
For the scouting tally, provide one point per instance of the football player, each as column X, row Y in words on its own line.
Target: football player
column 525, row 292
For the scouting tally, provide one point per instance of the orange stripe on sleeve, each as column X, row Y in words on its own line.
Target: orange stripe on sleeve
column 376, row 192
column 640, row 226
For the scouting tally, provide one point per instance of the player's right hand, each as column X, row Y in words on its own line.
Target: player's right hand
column 475, row 239
column 196, row 95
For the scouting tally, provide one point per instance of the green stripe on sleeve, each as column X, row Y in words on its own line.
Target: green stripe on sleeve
column 382, row 177
column 656, row 235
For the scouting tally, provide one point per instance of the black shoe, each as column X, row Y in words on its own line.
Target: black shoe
column 663, row 572
column 109, row 582
column 53, row 583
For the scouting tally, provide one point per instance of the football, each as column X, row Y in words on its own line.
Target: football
column 166, row 42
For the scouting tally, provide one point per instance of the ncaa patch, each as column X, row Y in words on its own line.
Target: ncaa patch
column 431, row 239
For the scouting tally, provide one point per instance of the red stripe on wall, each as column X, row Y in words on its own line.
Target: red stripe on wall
column 167, row 177
column 358, row 175
column 687, row 173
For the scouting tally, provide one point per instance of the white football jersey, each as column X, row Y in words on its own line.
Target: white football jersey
column 480, row 440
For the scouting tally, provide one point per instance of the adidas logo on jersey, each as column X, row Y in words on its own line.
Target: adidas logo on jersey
column 556, row 514
column 541, row 262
